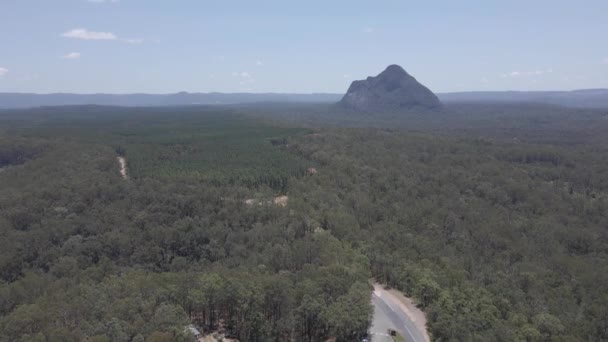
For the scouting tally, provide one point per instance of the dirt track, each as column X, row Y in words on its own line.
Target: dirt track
column 123, row 167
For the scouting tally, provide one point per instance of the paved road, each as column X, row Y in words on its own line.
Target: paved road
column 388, row 315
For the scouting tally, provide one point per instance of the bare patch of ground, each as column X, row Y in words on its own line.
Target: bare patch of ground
column 216, row 338
column 252, row 201
column 123, row 167
column 280, row 201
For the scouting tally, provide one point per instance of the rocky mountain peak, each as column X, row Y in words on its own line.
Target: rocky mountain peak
column 392, row 89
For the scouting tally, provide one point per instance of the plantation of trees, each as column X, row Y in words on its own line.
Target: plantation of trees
column 497, row 239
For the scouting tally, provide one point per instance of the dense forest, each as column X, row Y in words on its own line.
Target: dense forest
column 496, row 226
column 87, row 254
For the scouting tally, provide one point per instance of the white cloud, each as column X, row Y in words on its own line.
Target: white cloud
column 259, row 63
column 516, row 74
column 85, row 34
column 369, row 30
column 81, row 33
column 245, row 78
column 133, row 41
column 605, row 61
column 102, row 1
column 346, row 76
column 72, row 55
column 247, row 81
column 242, row 74
column 3, row 71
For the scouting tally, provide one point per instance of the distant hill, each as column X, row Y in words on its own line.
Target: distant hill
column 26, row 100
column 393, row 88
column 585, row 98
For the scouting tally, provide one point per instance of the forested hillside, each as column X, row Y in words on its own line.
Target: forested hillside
column 497, row 239
column 498, row 242
column 86, row 254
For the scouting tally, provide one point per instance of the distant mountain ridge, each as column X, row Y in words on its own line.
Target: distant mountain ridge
column 392, row 89
column 589, row 98
column 27, row 100
column 582, row 98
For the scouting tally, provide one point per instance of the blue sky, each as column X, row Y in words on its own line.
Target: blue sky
column 162, row 46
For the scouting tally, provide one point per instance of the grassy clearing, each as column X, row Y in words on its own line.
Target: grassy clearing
column 399, row 338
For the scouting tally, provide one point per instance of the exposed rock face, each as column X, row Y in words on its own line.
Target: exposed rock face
column 394, row 88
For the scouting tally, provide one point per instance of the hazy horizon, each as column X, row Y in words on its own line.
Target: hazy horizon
column 291, row 93
column 153, row 47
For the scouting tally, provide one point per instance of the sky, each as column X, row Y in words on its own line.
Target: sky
column 166, row 46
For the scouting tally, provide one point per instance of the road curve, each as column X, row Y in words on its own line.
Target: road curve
column 390, row 312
